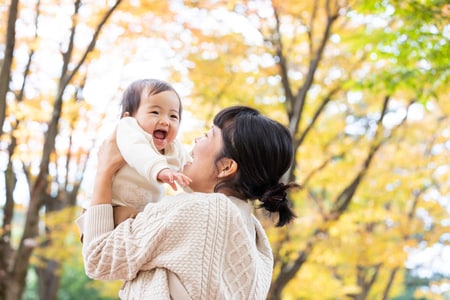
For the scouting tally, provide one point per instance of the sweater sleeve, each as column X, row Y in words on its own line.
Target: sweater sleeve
column 163, row 235
column 119, row 253
column 137, row 149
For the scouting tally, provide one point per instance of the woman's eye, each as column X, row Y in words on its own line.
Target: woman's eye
column 205, row 134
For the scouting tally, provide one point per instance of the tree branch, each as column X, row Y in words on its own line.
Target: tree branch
column 5, row 73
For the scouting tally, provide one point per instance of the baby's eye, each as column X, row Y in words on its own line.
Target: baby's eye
column 154, row 112
column 174, row 117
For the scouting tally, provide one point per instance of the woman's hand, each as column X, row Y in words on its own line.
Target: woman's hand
column 109, row 162
column 109, row 158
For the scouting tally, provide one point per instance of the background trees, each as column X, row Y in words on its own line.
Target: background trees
column 362, row 86
column 43, row 100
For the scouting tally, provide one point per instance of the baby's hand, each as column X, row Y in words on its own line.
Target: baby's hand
column 170, row 177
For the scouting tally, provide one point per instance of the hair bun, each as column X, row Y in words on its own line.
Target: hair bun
column 275, row 200
column 274, row 197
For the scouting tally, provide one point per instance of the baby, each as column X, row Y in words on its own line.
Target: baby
column 146, row 137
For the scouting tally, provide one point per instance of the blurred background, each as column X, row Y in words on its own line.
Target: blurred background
column 362, row 85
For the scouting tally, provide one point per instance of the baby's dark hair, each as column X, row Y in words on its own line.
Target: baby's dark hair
column 263, row 150
column 131, row 98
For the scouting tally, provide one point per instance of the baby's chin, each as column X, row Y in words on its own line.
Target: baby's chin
column 160, row 145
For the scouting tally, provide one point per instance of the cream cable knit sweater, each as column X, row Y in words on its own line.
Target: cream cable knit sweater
column 213, row 244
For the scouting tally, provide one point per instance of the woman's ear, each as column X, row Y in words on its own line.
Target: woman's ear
column 227, row 168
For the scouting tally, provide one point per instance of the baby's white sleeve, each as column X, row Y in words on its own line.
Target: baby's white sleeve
column 137, row 149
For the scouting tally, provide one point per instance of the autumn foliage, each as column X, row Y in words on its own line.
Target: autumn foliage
column 362, row 86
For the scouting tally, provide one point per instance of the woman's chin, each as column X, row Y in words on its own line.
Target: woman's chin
column 187, row 189
column 186, row 168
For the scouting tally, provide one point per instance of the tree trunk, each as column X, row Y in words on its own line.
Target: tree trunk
column 5, row 73
column 388, row 287
column 48, row 284
column 28, row 241
column 6, row 251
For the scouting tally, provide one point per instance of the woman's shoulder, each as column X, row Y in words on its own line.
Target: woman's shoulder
column 190, row 212
column 194, row 202
column 193, row 197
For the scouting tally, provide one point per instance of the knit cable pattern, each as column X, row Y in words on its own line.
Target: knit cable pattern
column 217, row 250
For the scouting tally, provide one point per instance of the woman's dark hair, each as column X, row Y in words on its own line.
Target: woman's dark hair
column 263, row 151
column 131, row 98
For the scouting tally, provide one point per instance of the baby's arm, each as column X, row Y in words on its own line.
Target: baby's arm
column 139, row 153
column 135, row 146
column 170, row 177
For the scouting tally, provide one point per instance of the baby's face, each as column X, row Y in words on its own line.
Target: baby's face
column 159, row 115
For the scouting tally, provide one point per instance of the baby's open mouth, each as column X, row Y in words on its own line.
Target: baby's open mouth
column 159, row 134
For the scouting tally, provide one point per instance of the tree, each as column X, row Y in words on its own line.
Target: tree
column 47, row 190
column 349, row 79
column 361, row 85
column 51, row 125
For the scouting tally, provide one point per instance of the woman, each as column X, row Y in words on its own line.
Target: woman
column 205, row 244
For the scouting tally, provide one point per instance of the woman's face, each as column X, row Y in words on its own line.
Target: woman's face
column 202, row 170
